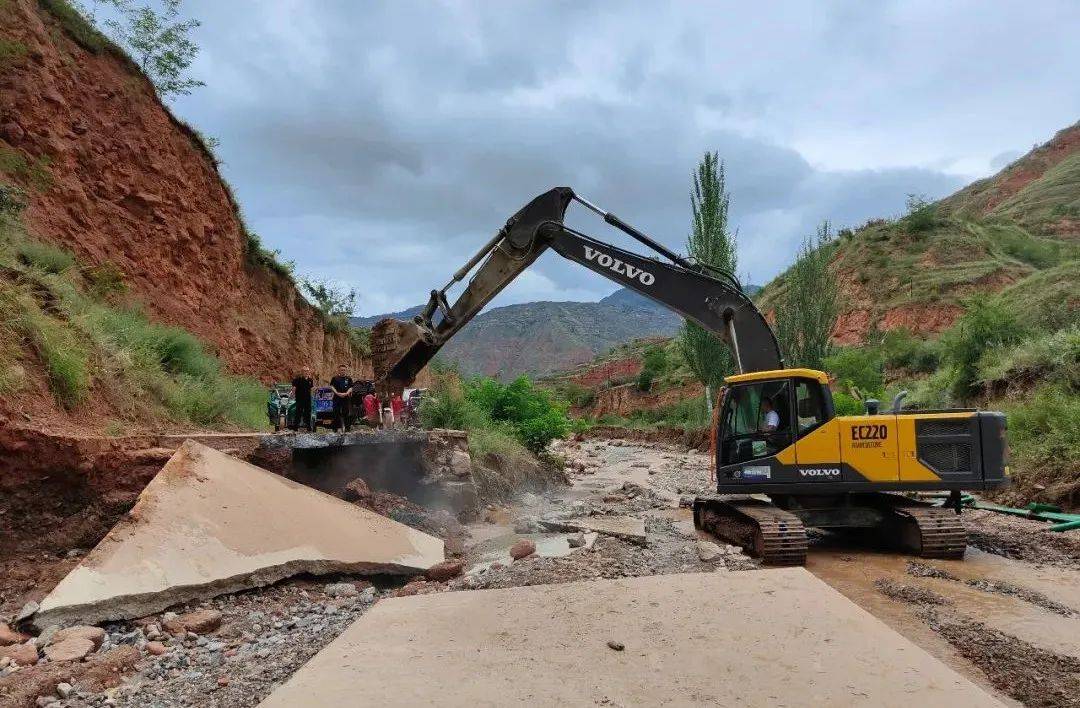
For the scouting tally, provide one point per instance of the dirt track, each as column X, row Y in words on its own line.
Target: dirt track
column 1007, row 617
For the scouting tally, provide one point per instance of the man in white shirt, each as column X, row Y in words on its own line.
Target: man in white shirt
column 771, row 418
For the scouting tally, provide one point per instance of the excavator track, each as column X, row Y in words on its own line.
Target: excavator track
column 931, row 532
column 775, row 536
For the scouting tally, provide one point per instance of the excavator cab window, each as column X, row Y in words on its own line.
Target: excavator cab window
column 810, row 405
column 745, row 430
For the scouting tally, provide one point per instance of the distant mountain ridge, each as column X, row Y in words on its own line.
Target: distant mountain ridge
column 537, row 338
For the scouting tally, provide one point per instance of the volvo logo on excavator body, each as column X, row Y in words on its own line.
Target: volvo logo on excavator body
column 615, row 265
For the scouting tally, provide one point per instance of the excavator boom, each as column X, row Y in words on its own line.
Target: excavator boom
column 711, row 299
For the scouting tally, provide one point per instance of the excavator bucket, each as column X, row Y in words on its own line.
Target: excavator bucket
column 398, row 353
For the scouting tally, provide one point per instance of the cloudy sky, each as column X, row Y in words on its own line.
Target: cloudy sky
column 377, row 144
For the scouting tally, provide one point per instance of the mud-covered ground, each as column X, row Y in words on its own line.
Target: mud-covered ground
column 1007, row 617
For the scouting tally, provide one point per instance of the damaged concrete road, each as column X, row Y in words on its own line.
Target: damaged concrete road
column 755, row 638
column 209, row 524
column 628, row 528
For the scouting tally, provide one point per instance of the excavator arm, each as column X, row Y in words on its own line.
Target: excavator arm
column 710, row 298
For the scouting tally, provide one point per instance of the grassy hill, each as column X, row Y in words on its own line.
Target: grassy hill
column 917, row 272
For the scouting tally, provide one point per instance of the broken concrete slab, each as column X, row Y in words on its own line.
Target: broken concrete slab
column 757, row 638
column 209, row 524
column 628, row 528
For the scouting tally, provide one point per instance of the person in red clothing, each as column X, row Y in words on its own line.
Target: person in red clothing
column 371, row 409
column 397, row 407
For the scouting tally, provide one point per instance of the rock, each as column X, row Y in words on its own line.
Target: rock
column 22, row 654
column 70, row 649
column 454, row 546
column 686, row 502
column 199, row 622
column 64, row 689
column 46, row 701
column 709, row 552
column 576, row 541
column 526, row 524
column 341, row 590
column 26, row 612
column 460, row 463
column 522, row 549
column 152, row 630
column 367, row 595
column 357, row 490
column 731, row 550
column 155, row 648
column 441, row 572
column 10, row 636
column 12, row 132
column 529, row 499
column 617, row 646
column 94, row 634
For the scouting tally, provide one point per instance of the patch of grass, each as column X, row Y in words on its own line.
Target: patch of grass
column 1049, row 357
column 63, row 354
column 78, row 27
column 11, row 52
column 53, row 315
column 263, row 257
column 1047, row 425
column 12, row 199
column 214, row 400
column 1046, row 300
column 49, row 258
column 104, row 281
column 35, row 171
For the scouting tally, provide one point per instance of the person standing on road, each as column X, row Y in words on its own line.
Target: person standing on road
column 397, row 407
column 342, row 385
column 371, row 409
column 301, row 391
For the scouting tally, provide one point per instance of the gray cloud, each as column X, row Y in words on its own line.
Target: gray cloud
column 378, row 144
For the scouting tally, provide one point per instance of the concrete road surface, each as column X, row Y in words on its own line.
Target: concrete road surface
column 756, row 638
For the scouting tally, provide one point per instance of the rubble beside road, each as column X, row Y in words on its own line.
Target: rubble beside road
column 210, row 524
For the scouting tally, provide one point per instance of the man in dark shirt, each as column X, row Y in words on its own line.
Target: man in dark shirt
column 301, row 387
column 342, row 385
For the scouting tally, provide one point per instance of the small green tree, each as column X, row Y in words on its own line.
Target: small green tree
column 159, row 42
column 808, row 308
column 335, row 304
column 654, row 362
column 710, row 243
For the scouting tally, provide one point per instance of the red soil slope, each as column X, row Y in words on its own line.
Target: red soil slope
column 131, row 187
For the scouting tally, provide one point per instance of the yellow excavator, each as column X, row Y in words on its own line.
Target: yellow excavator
column 784, row 460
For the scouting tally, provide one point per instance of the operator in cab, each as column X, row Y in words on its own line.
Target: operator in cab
column 770, row 418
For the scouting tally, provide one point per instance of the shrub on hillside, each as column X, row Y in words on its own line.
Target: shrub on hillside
column 985, row 325
column 903, row 350
column 1047, row 425
column 858, row 368
column 922, row 215
column 846, row 404
column 1051, row 357
column 654, row 363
